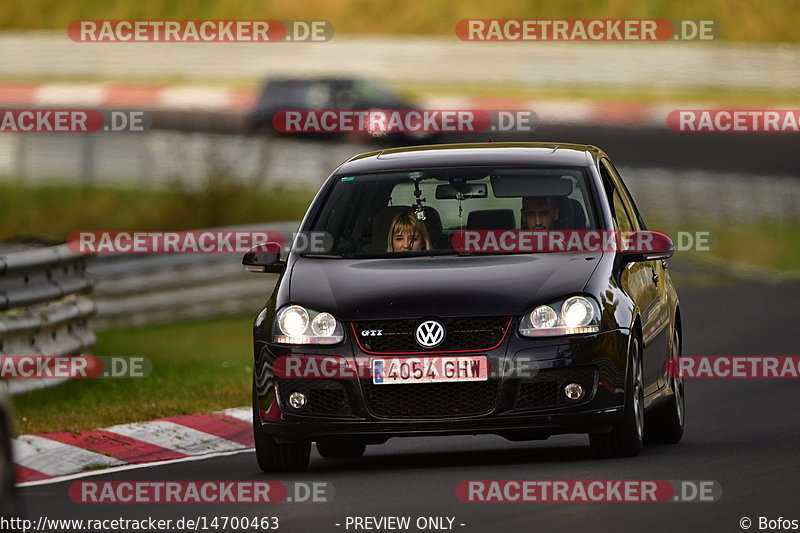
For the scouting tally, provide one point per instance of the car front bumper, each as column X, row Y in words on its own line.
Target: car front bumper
column 519, row 405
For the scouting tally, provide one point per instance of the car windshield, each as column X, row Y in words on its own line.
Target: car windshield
column 419, row 212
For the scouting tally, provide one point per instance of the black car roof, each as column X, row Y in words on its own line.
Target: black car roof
column 310, row 80
column 472, row 154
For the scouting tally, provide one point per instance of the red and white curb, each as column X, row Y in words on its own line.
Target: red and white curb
column 45, row 456
column 569, row 111
column 233, row 100
column 110, row 95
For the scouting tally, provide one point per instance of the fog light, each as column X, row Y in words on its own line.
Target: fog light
column 297, row 400
column 573, row 391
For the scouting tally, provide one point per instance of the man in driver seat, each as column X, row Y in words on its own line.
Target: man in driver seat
column 539, row 213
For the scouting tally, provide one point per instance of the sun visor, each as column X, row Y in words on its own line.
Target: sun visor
column 517, row 185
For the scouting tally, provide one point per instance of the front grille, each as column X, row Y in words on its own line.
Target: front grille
column 546, row 388
column 423, row 400
column 325, row 396
column 461, row 334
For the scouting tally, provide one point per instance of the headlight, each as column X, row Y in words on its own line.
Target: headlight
column 293, row 321
column 298, row 325
column 577, row 312
column 543, row 317
column 323, row 325
column 572, row 316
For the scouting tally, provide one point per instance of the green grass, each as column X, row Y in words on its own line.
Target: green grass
column 745, row 21
column 53, row 211
column 197, row 367
column 771, row 245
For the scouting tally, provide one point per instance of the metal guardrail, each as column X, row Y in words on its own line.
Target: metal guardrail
column 44, row 305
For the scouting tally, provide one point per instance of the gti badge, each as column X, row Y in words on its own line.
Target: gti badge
column 371, row 332
column 430, row 334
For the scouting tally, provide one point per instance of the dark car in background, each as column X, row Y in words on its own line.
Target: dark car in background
column 327, row 93
column 593, row 330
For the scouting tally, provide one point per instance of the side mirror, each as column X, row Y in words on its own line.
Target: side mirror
column 264, row 258
column 646, row 246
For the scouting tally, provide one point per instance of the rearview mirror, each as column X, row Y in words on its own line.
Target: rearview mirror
column 466, row 190
column 264, row 258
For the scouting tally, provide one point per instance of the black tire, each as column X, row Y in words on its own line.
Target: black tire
column 274, row 457
column 666, row 422
column 625, row 438
column 8, row 496
column 341, row 449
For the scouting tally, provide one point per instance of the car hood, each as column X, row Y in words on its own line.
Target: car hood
column 495, row 285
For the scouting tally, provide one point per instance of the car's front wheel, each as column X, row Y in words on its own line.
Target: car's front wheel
column 665, row 423
column 625, row 438
column 275, row 457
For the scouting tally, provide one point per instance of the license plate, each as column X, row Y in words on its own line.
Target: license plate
column 403, row 370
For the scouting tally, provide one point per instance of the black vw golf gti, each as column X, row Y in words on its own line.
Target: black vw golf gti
column 442, row 295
